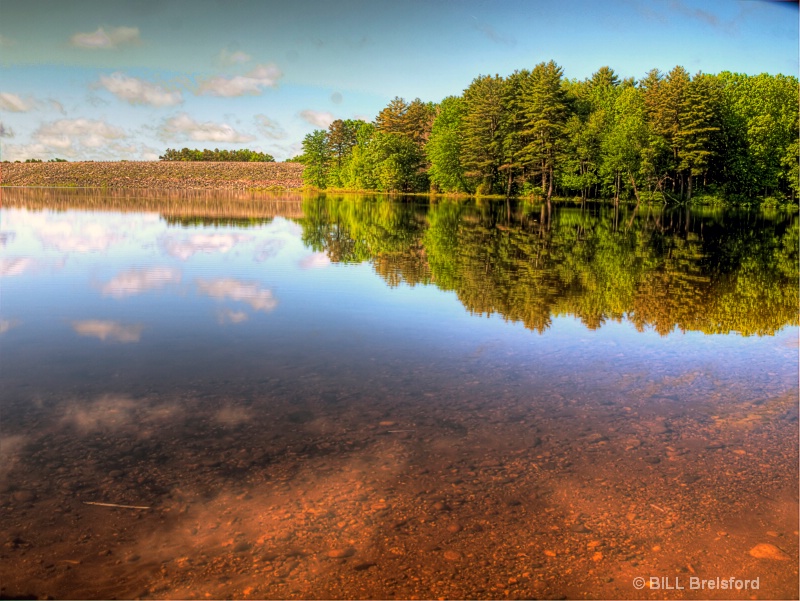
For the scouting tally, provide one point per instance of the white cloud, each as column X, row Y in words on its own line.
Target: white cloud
column 108, row 330
column 13, row 103
column 260, row 299
column 138, row 91
column 57, row 106
column 5, row 131
column 68, row 138
column 253, row 83
column 102, row 39
column 317, row 118
column 183, row 126
column 21, row 152
column 205, row 243
column 226, row 57
column 67, row 134
column 138, row 281
column 269, row 128
column 148, row 153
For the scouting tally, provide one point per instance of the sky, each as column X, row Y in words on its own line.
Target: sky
column 113, row 80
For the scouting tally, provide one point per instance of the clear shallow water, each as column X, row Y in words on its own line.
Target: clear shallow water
column 356, row 398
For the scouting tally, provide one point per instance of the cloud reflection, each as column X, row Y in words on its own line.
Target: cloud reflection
column 315, row 261
column 11, row 447
column 118, row 413
column 197, row 243
column 260, row 299
column 6, row 237
column 228, row 316
column 137, row 281
column 109, row 412
column 108, row 330
column 7, row 324
column 82, row 238
column 269, row 249
column 11, row 266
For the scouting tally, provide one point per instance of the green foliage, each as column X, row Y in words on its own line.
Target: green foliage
column 482, row 140
column 316, row 157
column 242, row 155
column 413, row 120
column 668, row 137
column 545, row 111
column 444, row 147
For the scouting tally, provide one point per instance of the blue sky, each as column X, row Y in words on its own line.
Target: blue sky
column 106, row 80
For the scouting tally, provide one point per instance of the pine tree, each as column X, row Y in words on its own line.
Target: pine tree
column 546, row 114
column 482, row 147
column 699, row 124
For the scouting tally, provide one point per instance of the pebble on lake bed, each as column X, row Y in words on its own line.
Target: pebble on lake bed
column 341, row 553
column 768, row 551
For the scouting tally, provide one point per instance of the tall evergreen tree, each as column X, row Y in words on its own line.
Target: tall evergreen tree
column 699, row 125
column 546, row 115
column 482, row 148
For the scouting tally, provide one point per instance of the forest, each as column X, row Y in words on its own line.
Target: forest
column 242, row 155
column 669, row 137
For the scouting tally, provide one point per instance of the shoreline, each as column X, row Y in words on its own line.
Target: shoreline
column 254, row 177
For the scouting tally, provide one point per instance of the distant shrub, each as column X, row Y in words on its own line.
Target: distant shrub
column 243, row 156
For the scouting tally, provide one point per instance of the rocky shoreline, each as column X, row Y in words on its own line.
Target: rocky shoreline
column 154, row 174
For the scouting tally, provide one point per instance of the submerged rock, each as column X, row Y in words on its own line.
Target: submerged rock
column 768, row 551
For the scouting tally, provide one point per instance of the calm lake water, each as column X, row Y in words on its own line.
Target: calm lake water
column 325, row 397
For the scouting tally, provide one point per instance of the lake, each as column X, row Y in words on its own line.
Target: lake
column 298, row 396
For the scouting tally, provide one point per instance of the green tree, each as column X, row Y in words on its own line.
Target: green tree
column 316, row 158
column 625, row 144
column 444, row 147
column 482, row 146
column 513, row 132
column 546, row 115
column 699, row 120
column 342, row 137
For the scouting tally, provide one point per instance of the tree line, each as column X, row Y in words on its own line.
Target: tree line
column 194, row 154
column 536, row 133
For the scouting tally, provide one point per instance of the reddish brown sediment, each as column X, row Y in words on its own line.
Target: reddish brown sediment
column 165, row 175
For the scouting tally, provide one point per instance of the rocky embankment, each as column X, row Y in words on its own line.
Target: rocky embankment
column 153, row 174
